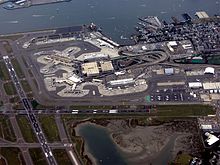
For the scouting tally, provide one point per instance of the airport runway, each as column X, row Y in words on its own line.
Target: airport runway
column 32, row 118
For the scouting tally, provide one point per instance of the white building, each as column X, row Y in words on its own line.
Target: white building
column 211, row 139
column 211, row 85
column 209, row 70
column 122, row 81
column 195, row 85
column 169, row 71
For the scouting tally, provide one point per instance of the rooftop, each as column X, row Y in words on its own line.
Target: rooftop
column 106, row 66
column 90, row 68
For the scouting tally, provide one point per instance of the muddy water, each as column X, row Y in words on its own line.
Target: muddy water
column 100, row 145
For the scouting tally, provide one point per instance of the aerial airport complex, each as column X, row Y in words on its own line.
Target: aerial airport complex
column 169, row 63
column 79, row 61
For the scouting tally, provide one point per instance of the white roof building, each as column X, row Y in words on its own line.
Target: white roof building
column 195, row 84
column 74, row 78
column 172, row 43
column 211, row 138
column 206, row 126
column 122, row 81
column 211, row 85
column 169, row 71
column 209, row 70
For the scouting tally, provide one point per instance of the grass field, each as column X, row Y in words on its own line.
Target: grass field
column 61, row 157
column 17, row 68
column 184, row 110
column 6, row 130
column 26, row 86
column 182, row 159
column 9, row 88
column 1, row 103
column 91, row 107
column 77, row 140
column 15, row 99
column 7, row 47
column 37, row 156
column 49, row 127
column 18, row 106
column 4, row 75
column 26, row 129
column 13, row 156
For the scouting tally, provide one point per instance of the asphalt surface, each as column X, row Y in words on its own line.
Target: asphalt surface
column 20, row 139
column 34, row 145
column 64, row 139
column 78, row 112
column 32, row 118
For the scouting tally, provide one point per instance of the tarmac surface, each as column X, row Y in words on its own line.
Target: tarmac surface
column 32, row 118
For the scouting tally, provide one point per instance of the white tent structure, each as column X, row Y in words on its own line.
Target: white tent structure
column 209, row 70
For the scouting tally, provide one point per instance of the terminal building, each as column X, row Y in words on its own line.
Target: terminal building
column 96, row 68
column 122, row 82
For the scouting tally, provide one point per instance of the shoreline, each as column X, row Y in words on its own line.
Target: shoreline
column 85, row 146
column 147, row 152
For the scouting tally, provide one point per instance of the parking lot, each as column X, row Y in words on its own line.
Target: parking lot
column 172, row 95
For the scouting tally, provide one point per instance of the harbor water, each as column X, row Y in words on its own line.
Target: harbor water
column 100, row 145
column 116, row 17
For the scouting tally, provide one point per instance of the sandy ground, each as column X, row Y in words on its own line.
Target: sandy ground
column 147, row 144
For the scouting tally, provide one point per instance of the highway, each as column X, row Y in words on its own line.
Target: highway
column 32, row 118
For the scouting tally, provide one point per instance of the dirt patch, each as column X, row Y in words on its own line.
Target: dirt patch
column 146, row 141
column 141, row 144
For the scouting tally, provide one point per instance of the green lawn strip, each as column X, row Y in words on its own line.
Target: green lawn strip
column 18, row 106
column 4, row 74
column 49, row 127
column 6, row 130
column 61, row 157
column 1, row 103
column 37, row 105
column 9, row 88
column 182, row 159
column 91, row 107
column 15, row 99
column 37, row 156
column 12, row 155
column 26, row 129
column 26, row 86
column 30, row 73
column 17, row 68
column 77, row 140
column 184, row 110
